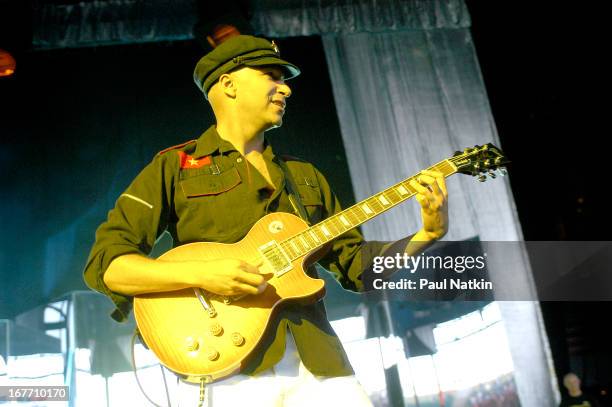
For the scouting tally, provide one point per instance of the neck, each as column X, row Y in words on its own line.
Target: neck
column 246, row 138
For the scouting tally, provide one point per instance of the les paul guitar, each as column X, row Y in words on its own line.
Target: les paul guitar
column 203, row 336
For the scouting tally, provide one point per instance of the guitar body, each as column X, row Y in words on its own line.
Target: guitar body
column 205, row 337
column 192, row 341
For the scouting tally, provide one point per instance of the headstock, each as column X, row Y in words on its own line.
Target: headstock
column 481, row 161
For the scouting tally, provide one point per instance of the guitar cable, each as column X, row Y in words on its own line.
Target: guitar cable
column 134, row 335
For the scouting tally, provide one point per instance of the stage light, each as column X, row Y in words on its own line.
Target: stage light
column 7, row 63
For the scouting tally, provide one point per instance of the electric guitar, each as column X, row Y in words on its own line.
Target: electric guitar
column 203, row 336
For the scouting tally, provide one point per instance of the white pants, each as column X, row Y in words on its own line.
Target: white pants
column 287, row 384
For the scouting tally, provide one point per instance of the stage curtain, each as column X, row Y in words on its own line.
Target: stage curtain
column 409, row 92
column 94, row 23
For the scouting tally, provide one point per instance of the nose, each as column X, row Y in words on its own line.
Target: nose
column 284, row 90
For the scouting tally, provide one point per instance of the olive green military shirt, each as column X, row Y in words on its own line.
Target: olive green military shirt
column 205, row 190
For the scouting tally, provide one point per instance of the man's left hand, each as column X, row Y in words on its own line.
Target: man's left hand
column 432, row 196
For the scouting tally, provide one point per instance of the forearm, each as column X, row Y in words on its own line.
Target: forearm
column 419, row 242
column 134, row 274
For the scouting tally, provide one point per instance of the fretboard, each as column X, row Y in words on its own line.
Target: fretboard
column 336, row 225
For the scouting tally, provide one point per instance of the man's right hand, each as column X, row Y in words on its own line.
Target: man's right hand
column 229, row 277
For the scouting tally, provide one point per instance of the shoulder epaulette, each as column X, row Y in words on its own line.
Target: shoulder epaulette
column 176, row 146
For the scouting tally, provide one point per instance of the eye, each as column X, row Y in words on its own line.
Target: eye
column 275, row 75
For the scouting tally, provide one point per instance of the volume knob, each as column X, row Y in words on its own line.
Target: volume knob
column 215, row 329
column 191, row 344
column 237, row 339
column 212, row 354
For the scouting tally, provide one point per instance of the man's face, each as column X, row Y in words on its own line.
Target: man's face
column 261, row 95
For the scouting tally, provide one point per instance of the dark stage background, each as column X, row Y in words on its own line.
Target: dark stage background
column 76, row 125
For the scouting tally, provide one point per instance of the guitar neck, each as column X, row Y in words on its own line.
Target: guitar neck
column 336, row 225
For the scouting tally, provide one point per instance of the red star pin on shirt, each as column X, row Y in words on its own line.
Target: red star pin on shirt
column 188, row 161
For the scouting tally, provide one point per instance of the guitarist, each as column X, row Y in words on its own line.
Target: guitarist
column 214, row 189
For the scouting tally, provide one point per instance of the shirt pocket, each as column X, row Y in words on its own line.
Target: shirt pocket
column 310, row 195
column 216, row 206
column 209, row 184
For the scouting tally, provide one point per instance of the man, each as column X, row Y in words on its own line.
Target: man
column 576, row 398
column 214, row 189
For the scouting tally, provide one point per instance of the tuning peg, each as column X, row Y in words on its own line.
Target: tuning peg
column 482, row 178
column 502, row 171
column 492, row 174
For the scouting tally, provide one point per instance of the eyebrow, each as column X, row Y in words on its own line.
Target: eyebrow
column 276, row 71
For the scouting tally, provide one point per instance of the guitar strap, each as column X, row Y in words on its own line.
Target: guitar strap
column 292, row 192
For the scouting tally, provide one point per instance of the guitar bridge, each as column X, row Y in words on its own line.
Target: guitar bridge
column 276, row 258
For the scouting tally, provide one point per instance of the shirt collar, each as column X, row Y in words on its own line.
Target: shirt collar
column 210, row 141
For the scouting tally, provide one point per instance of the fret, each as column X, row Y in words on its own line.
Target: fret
column 332, row 226
column 375, row 205
column 294, row 246
column 286, row 247
column 366, row 209
column 383, row 200
column 309, row 239
column 359, row 213
column 401, row 190
column 306, row 245
column 409, row 188
column 352, row 217
column 345, row 221
column 320, row 234
column 393, row 196
column 342, row 227
column 313, row 234
column 299, row 244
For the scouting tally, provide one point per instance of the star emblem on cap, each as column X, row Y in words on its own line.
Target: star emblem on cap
column 275, row 47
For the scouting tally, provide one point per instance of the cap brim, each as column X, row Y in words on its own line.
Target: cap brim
column 289, row 70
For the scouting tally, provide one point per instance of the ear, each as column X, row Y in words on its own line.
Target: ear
column 228, row 85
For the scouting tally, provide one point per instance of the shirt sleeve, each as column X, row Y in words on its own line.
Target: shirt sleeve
column 140, row 215
column 350, row 255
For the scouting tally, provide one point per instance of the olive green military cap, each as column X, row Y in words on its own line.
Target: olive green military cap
column 241, row 50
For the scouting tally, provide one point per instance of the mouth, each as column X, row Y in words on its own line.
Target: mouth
column 279, row 104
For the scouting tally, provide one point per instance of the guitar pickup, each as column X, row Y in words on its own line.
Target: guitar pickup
column 276, row 258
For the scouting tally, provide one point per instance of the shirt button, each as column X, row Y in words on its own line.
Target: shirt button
column 239, row 160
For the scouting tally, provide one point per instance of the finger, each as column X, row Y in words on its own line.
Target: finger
column 245, row 289
column 428, row 182
column 425, row 193
column 423, row 201
column 442, row 185
column 440, row 180
column 433, row 174
column 267, row 275
column 253, row 279
column 434, row 181
column 419, row 188
column 261, row 288
column 250, row 268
